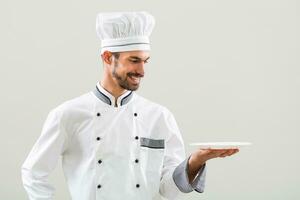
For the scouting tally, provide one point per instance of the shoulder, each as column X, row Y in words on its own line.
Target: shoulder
column 81, row 103
column 71, row 113
column 151, row 106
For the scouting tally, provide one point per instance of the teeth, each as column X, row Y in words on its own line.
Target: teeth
column 135, row 79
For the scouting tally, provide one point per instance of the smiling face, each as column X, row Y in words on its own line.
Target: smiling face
column 127, row 68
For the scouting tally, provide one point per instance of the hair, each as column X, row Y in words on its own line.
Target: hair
column 116, row 55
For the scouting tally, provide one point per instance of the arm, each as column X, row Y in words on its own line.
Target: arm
column 198, row 158
column 43, row 158
column 187, row 175
column 175, row 178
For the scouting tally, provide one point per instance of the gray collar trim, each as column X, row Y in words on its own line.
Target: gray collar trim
column 107, row 100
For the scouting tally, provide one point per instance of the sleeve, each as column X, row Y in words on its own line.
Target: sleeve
column 181, row 179
column 174, row 178
column 43, row 158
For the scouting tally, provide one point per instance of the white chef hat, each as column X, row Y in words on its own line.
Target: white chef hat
column 124, row 31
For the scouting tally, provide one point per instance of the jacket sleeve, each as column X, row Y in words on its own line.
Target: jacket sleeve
column 174, row 178
column 43, row 158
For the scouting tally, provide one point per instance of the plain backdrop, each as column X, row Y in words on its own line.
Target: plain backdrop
column 228, row 71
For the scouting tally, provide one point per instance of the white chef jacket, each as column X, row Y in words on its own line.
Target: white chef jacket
column 132, row 150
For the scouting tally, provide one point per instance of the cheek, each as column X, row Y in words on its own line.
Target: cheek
column 121, row 71
column 124, row 69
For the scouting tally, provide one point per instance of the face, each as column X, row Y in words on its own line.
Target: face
column 128, row 69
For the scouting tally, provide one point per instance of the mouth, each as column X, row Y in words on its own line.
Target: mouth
column 135, row 79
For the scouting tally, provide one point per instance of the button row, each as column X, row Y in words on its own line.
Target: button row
column 136, row 161
column 99, row 138
column 100, row 161
column 99, row 114
column 137, row 186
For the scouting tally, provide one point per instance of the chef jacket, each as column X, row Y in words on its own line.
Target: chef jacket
column 132, row 150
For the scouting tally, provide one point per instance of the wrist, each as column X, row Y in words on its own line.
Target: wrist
column 196, row 160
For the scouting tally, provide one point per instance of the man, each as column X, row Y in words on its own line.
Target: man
column 114, row 143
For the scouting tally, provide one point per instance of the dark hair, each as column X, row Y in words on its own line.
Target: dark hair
column 116, row 55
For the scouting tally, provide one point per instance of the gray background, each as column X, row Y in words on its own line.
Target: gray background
column 228, row 70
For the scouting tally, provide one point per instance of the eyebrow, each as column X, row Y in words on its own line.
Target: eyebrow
column 138, row 58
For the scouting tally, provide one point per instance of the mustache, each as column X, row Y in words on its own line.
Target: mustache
column 135, row 74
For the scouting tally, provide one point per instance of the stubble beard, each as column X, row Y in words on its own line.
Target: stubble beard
column 123, row 82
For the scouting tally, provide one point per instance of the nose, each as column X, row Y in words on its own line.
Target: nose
column 140, row 69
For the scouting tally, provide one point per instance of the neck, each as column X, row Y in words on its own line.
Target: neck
column 112, row 87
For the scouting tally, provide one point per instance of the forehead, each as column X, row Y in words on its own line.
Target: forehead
column 135, row 54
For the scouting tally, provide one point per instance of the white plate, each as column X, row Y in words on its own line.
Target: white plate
column 220, row 145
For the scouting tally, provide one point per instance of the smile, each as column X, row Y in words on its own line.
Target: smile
column 135, row 79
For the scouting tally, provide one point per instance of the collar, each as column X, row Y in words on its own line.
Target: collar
column 109, row 99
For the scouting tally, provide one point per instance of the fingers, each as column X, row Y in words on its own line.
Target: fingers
column 225, row 153
column 215, row 153
column 229, row 152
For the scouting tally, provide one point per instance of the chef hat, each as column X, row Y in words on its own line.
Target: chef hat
column 124, row 31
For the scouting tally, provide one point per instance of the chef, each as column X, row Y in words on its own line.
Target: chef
column 115, row 144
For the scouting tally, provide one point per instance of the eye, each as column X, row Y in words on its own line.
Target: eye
column 134, row 61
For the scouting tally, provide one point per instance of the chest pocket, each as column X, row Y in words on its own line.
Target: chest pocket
column 152, row 153
column 152, row 156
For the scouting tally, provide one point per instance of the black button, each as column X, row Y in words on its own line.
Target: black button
column 99, row 161
column 98, row 114
column 136, row 137
column 137, row 185
column 99, row 186
column 98, row 138
column 135, row 114
column 136, row 160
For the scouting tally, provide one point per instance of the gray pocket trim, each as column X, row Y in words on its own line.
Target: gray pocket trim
column 152, row 143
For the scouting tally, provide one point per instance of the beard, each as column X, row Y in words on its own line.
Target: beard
column 123, row 81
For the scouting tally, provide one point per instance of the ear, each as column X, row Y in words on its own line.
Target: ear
column 107, row 57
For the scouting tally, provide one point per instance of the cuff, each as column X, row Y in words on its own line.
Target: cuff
column 180, row 177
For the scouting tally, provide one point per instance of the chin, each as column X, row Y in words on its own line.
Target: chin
column 134, row 87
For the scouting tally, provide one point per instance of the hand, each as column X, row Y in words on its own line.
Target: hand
column 202, row 155
column 199, row 157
